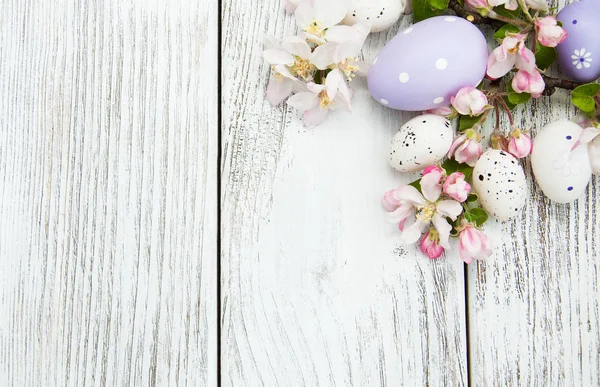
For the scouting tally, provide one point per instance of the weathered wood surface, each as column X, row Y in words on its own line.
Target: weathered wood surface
column 534, row 307
column 108, row 207
column 316, row 289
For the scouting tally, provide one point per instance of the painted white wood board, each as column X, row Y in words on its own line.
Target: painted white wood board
column 316, row 289
column 108, row 182
column 534, row 307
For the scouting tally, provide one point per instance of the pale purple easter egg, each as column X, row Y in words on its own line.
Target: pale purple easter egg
column 579, row 53
column 426, row 64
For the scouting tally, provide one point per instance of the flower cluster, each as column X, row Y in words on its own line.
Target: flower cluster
column 434, row 208
column 315, row 66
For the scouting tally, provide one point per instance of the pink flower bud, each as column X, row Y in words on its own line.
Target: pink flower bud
column 549, row 33
column 473, row 244
column 469, row 101
column 481, row 6
column 519, row 144
column 467, row 147
column 526, row 82
column 430, row 244
column 499, row 141
column 444, row 111
column 456, row 187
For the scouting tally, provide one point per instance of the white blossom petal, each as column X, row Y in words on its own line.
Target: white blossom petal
column 324, row 55
column 330, row 12
column 304, row 14
column 443, row 228
column 275, row 57
column 410, row 193
column 315, row 116
column 277, row 91
column 296, row 45
column 333, row 82
column 304, row 101
column 412, row 233
column 449, row 208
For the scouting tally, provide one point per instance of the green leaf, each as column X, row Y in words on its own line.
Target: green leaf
column 500, row 10
column 501, row 33
column 416, row 184
column 461, row 2
column 518, row 98
column 586, row 104
column 439, row 4
column 587, row 90
column 423, row 9
column 473, row 197
column 477, row 216
column 544, row 56
column 467, row 122
column 451, row 166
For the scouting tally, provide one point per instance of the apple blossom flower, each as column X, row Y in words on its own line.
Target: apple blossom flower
column 317, row 102
column 528, row 82
column 444, row 111
column 508, row 4
column 467, row 147
column 430, row 244
column 469, row 101
column 415, row 211
column 456, row 187
column 549, row 33
column 291, row 5
column 519, row 144
column 281, row 84
column 538, row 5
column 473, row 244
column 512, row 52
column 481, row 6
column 294, row 53
column 314, row 18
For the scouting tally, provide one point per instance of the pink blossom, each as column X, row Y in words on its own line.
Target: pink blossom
column 430, row 244
column 469, row 101
column 444, row 111
column 519, row 144
column 415, row 212
column 549, row 33
column 512, row 52
column 456, row 187
column 481, row 6
column 473, row 244
column 528, row 82
column 467, row 147
column 508, row 4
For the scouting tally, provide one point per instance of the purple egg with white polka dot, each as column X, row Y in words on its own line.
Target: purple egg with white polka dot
column 579, row 53
column 426, row 64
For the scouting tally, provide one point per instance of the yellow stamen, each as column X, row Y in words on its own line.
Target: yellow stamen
column 425, row 213
column 324, row 102
column 302, row 68
column 314, row 28
column 349, row 67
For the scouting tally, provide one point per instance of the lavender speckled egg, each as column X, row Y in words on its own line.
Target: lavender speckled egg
column 427, row 63
column 499, row 180
column 382, row 14
column 562, row 173
column 579, row 53
column 420, row 142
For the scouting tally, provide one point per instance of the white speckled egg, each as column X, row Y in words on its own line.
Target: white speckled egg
column 562, row 173
column 381, row 14
column 499, row 180
column 420, row 142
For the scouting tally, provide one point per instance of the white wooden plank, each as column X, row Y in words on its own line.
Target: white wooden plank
column 108, row 206
column 534, row 307
column 316, row 289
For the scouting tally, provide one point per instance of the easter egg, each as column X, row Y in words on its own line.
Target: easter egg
column 594, row 153
column 381, row 14
column 420, row 142
column 561, row 172
column 427, row 63
column 499, row 180
column 579, row 53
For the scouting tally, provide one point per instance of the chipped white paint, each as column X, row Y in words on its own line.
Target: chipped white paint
column 108, row 207
column 316, row 288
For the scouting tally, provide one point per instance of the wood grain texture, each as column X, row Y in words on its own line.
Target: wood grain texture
column 534, row 307
column 108, row 207
column 316, row 288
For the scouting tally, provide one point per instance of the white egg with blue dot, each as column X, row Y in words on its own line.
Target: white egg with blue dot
column 499, row 181
column 561, row 170
column 381, row 14
column 422, row 141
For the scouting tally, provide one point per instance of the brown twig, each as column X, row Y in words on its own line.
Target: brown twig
column 553, row 83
